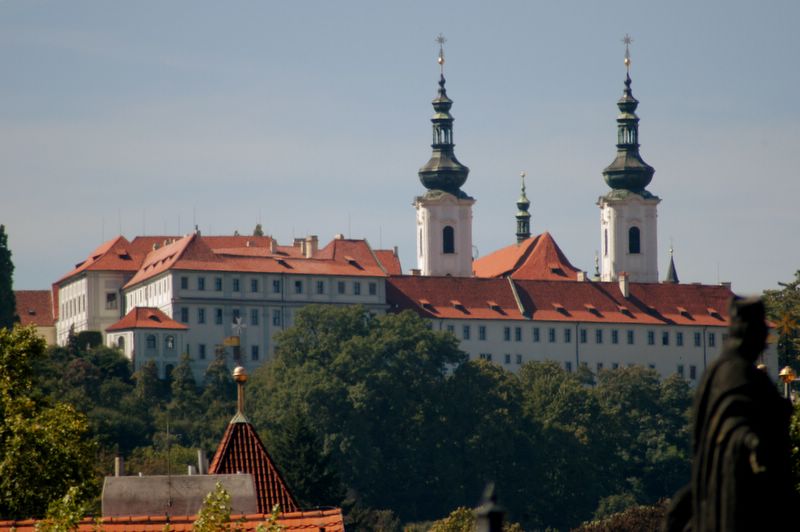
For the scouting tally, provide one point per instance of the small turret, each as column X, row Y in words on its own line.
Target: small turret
column 523, row 216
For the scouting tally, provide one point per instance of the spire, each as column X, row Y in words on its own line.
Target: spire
column 628, row 171
column 523, row 216
column 240, row 376
column 672, row 273
column 443, row 171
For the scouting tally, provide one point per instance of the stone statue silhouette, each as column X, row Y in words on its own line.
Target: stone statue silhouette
column 741, row 478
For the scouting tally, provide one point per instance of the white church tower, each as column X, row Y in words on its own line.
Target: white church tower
column 444, row 212
column 628, row 213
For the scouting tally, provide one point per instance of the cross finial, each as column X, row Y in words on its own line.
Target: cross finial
column 627, row 40
column 522, row 176
column 441, row 40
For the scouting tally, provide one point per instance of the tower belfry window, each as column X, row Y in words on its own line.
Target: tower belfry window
column 448, row 240
column 634, row 241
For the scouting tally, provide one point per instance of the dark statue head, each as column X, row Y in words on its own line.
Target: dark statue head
column 748, row 324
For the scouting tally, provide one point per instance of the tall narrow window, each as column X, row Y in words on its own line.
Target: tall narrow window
column 605, row 242
column 634, row 242
column 448, row 240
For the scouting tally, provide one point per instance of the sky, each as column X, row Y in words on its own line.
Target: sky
column 313, row 117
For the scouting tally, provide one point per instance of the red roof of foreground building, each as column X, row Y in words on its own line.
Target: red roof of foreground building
column 476, row 298
column 313, row 520
column 537, row 258
column 241, row 450
column 35, row 307
column 146, row 318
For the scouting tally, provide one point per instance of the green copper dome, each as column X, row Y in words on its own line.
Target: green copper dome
column 443, row 171
column 628, row 171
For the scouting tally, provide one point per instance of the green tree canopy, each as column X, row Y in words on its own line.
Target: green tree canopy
column 8, row 302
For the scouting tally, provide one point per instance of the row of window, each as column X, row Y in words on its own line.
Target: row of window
column 599, row 366
column 583, row 334
column 202, row 352
column 73, row 306
column 236, row 314
column 298, row 286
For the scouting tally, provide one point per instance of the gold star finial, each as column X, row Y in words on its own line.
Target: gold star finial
column 627, row 40
column 441, row 40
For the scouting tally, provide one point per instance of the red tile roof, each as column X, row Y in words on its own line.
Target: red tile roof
column 537, row 258
column 241, row 450
column 35, row 307
column 648, row 303
column 114, row 254
column 390, row 261
column 146, row 318
column 311, row 521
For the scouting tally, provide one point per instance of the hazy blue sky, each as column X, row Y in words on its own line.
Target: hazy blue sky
column 314, row 118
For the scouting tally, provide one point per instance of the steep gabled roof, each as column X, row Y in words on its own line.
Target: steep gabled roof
column 146, row 318
column 390, row 261
column 35, row 307
column 114, row 255
column 537, row 258
column 242, row 450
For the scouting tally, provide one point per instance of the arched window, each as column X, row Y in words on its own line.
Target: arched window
column 151, row 341
column 169, row 342
column 121, row 343
column 448, row 240
column 634, row 242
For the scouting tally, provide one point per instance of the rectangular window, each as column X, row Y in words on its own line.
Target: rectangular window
column 482, row 332
column 276, row 318
column 486, row 356
column 568, row 366
column 201, row 351
column 651, row 338
column 567, row 336
column 236, row 286
column 237, row 314
column 630, row 337
column 679, row 339
column 373, row 289
column 111, row 300
column 680, row 370
column 184, row 315
column 583, row 336
column 218, row 284
column 551, row 334
column 697, row 339
column 693, row 372
column 218, row 316
column 298, row 287
column 451, row 329
column 184, row 283
column 517, row 334
column 201, row 315
column 254, row 285
column 536, row 334
column 651, row 366
column 507, row 334
column 340, row 287
column 598, row 336
column 599, row 367
column 519, row 360
column 320, row 287
column 507, row 358
column 665, row 338
column 201, row 283
column 615, row 365
column 253, row 352
column 465, row 332
column 276, row 286
column 254, row 316
column 614, row 336
column 356, row 288
column 712, row 340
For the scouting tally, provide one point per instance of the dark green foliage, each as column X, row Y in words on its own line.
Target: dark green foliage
column 258, row 231
column 632, row 519
column 8, row 303
column 89, row 339
column 783, row 309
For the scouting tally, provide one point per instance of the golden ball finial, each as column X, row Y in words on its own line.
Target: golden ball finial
column 240, row 374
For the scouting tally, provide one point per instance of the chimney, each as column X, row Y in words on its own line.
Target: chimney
column 202, row 462
column 416, row 271
column 395, row 251
column 119, row 466
column 581, row 277
column 624, row 285
column 272, row 245
column 312, row 243
column 338, row 236
column 726, row 284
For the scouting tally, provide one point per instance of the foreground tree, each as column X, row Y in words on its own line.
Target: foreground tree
column 783, row 309
column 8, row 303
column 45, row 448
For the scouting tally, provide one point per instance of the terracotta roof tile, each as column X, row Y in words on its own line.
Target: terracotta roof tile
column 146, row 318
column 330, row 520
column 390, row 261
column 241, row 450
column 35, row 307
column 537, row 258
